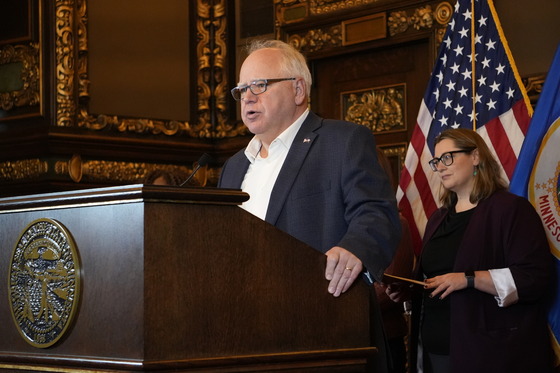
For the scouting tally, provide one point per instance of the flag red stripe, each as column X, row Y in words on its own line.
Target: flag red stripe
column 406, row 210
column 425, row 191
column 418, row 142
column 421, row 184
column 405, row 179
column 502, row 146
column 521, row 116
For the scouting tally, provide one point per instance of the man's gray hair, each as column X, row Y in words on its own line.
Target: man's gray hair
column 293, row 63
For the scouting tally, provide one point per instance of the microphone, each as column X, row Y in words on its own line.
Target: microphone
column 202, row 161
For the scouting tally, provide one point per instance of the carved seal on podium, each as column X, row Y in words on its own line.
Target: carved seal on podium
column 44, row 282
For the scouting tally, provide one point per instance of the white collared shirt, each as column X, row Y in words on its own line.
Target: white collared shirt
column 263, row 172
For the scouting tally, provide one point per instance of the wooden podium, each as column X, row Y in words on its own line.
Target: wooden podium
column 184, row 280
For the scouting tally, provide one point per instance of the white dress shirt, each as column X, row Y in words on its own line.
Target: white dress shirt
column 263, row 172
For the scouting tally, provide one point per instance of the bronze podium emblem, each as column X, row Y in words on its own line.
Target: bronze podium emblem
column 44, row 282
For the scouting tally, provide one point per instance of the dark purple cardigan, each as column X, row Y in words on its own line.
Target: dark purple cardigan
column 504, row 232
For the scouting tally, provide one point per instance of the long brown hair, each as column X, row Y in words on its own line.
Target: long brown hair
column 487, row 179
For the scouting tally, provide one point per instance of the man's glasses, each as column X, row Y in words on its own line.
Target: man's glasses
column 256, row 87
column 446, row 158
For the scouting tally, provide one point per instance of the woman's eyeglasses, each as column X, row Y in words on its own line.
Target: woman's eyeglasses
column 446, row 159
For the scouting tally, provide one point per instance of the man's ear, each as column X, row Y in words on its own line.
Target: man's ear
column 301, row 91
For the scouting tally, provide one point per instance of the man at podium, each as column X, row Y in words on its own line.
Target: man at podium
column 317, row 179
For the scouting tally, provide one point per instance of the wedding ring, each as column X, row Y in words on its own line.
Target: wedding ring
column 349, row 268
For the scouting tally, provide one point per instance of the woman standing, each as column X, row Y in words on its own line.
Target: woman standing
column 488, row 270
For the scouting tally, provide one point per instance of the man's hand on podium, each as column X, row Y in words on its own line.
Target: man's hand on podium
column 343, row 268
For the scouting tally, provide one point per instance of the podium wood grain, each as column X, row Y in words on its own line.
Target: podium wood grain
column 184, row 280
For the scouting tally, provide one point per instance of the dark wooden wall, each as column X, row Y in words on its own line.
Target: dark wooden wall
column 54, row 136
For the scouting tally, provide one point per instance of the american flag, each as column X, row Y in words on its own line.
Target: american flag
column 501, row 112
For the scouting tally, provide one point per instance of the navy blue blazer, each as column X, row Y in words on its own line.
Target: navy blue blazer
column 331, row 191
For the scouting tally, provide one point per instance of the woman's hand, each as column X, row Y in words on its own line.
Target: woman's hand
column 446, row 284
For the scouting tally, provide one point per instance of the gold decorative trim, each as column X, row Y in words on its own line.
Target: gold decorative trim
column 439, row 34
column 362, row 29
column 28, row 56
column 74, row 168
column 400, row 21
column 205, row 55
column 317, row 39
column 23, row 169
column 82, row 22
column 140, row 126
column 330, row 6
column 212, row 77
column 65, row 63
column 290, row 11
column 114, row 171
column 321, row 7
column 330, row 36
column 443, row 13
column 533, row 86
column 381, row 109
column 397, row 151
column 100, row 171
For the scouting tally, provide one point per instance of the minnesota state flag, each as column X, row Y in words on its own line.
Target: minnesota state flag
column 537, row 176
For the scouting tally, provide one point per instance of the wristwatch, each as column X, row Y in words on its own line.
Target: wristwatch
column 470, row 278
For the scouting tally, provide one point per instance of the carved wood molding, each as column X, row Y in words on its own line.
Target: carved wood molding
column 95, row 170
column 26, row 59
column 25, row 169
column 330, row 6
column 533, row 86
column 328, row 32
column 211, row 121
column 91, row 170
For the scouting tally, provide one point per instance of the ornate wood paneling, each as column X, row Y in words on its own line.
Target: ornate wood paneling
column 76, row 148
column 23, row 91
column 212, row 77
column 52, row 141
